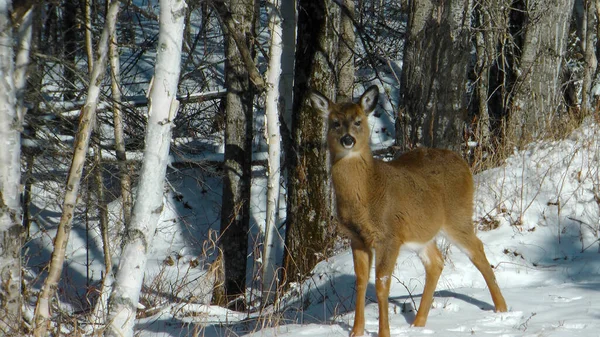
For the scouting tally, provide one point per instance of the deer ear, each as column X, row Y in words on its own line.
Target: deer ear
column 320, row 102
column 368, row 100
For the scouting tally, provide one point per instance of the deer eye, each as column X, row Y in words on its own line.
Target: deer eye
column 357, row 123
column 335, row 124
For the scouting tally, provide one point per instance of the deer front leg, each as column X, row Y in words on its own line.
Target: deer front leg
column 386, row 260
column 362, row 257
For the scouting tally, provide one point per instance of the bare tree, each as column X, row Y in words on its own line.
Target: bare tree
column 70, row 43
column 309, row 230
column 238, row 21
column 273, row 242
column 288, row 37
column 148, row 206
column 10, row 179
column 86, row 125
column 539, row 93
column 520, row 73
column 345, row 54
column 433, row 102
column 586, row 26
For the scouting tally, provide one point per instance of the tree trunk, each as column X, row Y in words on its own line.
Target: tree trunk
column 538, row 98
column 70, row 25
column 148, row 206
column 433, row 85
column 309, row 232
column 86, row 124
column 492, row 76
column 10, row 179
column 273, row 244
column 587, row 35
column 235, row 211
column 124, row 172
column 345, row 54
column 24, row 22
column 288, row 40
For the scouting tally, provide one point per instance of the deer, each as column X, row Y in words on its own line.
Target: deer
column 408, row 201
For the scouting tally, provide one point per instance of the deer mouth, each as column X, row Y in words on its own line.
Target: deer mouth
column 347, row 141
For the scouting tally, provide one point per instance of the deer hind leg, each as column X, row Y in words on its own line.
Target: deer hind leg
column 362, row 257
column 471, row 245
column 384, row 266
column 434, row 264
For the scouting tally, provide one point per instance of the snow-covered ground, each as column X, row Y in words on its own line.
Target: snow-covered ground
column 538, row 216
column 539, row 220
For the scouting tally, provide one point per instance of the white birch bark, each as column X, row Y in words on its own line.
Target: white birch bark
column 100, row 310
column 82, row 141
column 22, row 58
column 10, row 176
column 273, row 241
column 149, row 203
column 118, row 130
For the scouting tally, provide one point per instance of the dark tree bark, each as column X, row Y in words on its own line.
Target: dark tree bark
column 492, row 73
column 539, row 91
column 433, row 85
column 310, row 233
column 521, row 47
column 586, row 23
column 345, row 53
column 235, row 212
column 70, row 9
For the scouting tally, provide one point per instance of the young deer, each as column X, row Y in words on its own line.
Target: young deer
column 408, row 201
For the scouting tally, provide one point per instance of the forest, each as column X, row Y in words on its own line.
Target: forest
column 161, row 158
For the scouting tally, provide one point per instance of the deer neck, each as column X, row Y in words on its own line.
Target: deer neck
column 351, row 177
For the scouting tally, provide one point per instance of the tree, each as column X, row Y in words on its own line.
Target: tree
column 70, row 37
column 539, row 91
column 586, row 12
column 10, row 179
column 148, row 206
column 433, row 101
column 520, row 73
column 309, row 224
column 288, row 39
column 272, row 242
column 86, row 125
column 345, row 54
column 238, row 23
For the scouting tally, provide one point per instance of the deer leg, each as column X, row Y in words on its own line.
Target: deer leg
column 434, row 263
column 477, row 256
column 385, row 262
column 362, row 257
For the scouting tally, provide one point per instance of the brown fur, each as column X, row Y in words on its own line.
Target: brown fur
column 383, row 205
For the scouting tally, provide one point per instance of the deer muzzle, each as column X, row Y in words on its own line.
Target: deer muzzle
column 347, row 141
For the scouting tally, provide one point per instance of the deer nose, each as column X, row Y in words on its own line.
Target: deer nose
column 347, row 141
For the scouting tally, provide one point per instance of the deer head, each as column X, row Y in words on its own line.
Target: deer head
column 348, row 127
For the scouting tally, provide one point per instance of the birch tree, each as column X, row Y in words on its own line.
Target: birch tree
column 273, row 241
column 148, row 206
column 10, row 178
column 100, row 310
column 82, row 141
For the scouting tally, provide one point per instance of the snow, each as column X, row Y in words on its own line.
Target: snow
column 538, row 216
column 544, row 209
